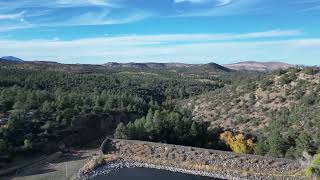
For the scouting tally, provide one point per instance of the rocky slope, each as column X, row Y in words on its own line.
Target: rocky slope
column 205, row 162
column 291, row 97
column 258, row 66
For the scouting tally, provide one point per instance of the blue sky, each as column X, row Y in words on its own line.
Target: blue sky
column 190, row 31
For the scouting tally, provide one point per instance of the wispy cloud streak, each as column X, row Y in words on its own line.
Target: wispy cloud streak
column 106, row 12
column 193, row 48
column 11, row 16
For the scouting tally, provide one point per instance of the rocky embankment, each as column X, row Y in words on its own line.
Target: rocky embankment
column 205, row 162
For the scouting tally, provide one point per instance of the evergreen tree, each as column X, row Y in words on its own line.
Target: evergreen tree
column 47, row 108
column 121, row 131
column 303, row 143
column 157, row 121
column 290, row 154
column 260, row 147
column 276, row 142
column 3, row 146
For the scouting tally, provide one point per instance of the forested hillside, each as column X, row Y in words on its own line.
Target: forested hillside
column 42, row 109
column 281, row 110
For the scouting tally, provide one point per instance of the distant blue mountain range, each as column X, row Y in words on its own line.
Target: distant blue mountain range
column 10, row 58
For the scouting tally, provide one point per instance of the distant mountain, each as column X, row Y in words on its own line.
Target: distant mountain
column 215, row 66
column 178, row 67
column 203, row 68
column 258, row 66
column 149, row 65
column 11, row 58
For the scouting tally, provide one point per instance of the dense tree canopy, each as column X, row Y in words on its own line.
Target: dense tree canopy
column 173, row 127
column 40, row 106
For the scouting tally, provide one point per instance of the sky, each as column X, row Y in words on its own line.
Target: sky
column 188, row 31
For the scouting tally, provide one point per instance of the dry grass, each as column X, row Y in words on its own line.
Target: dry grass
column 97, row 161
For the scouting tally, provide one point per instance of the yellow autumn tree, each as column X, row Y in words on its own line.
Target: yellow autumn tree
column 313, row 170
column 238, row 143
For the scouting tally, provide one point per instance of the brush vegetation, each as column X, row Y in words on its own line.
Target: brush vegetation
column 266, row 113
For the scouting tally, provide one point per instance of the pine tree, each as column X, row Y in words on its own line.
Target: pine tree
column 194, row 129
column 275, row 144
column 149, row 126
column 46, row 107
column 303, row 143
column 290, row 154
column 157, row 121
column 275, row 141
column 3, row 146
column 260, row 147
column 121, row 131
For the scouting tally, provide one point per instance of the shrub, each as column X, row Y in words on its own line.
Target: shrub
column 252, row 98
column 27, row 145
column 238, row 143
column 294, row 69
column 266, row 83
column 299, row 93
column 310, row 70
column 279, row 72
column 261, row 147
column 105, row 146
column 311, row 99
column 303, row 143
column 313, row 170
column 97, row 161
column 121, row 131
column 290, row 154
column 287, row 78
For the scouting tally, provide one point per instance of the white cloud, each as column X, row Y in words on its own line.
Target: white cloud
column 225, row 8
column 272, row 33
column 169, row 38
column 105, row 12
column 14, row 27
column 218, row 2
column 192, row 48
column 192, row 1
column 83, row 2
column 97, row 12
column 313, row 8
column 224, row 2
column 99, row 18
column 11, row 16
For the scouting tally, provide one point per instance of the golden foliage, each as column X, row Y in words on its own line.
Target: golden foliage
column 238, row 143
column 313, row 170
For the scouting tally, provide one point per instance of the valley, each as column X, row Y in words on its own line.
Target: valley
column 49, row 107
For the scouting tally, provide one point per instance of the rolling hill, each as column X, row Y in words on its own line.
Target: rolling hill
column 258, row 66
column 180, row 68
column 11, row 59
column 253, row 103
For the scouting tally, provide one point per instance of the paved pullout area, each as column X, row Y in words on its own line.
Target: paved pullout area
column 64, row 167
